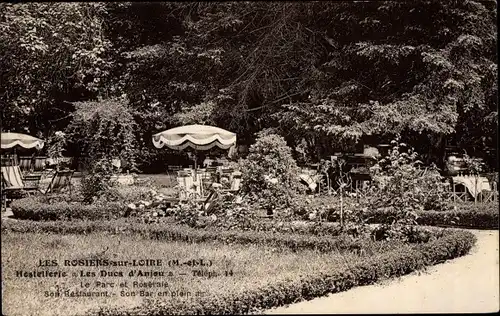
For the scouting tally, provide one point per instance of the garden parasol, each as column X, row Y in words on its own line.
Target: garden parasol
column 197, row 137
column 15, row 140
column 12, row 140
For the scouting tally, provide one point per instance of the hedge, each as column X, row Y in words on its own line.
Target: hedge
column 479, row 217
column 44, row 208
column 390, row 264
column 467, row 215
column 176, row 232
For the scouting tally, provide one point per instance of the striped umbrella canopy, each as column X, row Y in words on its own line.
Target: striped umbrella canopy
column 198, row 137
column 11, row 140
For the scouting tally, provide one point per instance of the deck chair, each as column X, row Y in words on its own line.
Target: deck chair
column 172, row 171
column 208, row 202
column 235, row 183
column 235, row 190
column 39, row 164
column 189, row 188
column 13, row 181
column 25, row 163
column 60, row 181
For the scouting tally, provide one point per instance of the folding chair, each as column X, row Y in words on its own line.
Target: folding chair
column 40, row 162
column 25, row 163
column 60, row 181
column 172, row 171
column 190, row 189
column 235, row 183
column 208, row 202
column 235, row 189
column 13, row 178
column 13, row 181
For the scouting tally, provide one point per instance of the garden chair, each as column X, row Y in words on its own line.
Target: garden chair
column 25, row 163
column 189, row 189
column 207, row 203
column 13, row 181
column 172, row 171
column 214, row 194
column 211, row 169
column 60, row 181
column 40, row 163
column 235, row 183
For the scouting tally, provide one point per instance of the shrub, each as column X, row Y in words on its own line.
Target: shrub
column 133, row 193
column 101, row 131
column 406, row 233
column 49, row 208
column 491, row 207
column 400, row 184
column 228, row 214
column 56, row 145
column 96, row 181
column 270, row 173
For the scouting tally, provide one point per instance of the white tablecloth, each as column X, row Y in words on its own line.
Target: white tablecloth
column 311, row 180
column 474, row 188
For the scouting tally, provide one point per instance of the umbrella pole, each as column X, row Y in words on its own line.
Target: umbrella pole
column 195, row 156
column 196, row 171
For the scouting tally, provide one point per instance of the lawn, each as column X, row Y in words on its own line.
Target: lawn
column 248, row 267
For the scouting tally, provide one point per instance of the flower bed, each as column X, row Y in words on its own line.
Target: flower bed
column 465, row 215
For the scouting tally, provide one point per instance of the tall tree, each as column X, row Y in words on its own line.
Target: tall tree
column 49, row 53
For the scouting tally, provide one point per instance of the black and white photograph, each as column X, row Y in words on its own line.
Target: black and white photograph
column 249, row 157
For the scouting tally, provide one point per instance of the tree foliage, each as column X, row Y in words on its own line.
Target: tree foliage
column 49, row 53
column 326, row 75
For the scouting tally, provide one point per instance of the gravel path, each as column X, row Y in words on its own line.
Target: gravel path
column 463, row 285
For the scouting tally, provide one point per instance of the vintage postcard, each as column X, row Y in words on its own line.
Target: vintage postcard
column 181, row 158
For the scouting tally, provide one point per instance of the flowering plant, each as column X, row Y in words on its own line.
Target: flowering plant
column 57, row 143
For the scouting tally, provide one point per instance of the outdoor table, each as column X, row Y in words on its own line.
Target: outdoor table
column 474, row 185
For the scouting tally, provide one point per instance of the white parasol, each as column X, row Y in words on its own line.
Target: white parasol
column 11, row 140
column 198, row 137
